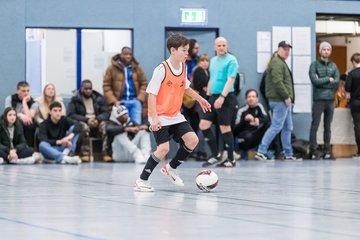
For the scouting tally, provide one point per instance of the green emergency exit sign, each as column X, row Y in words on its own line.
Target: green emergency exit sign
column 194, row 16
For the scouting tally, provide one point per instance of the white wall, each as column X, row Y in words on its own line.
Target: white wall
column 98, row 47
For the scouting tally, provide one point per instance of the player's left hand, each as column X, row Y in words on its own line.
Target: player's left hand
column 205, row 105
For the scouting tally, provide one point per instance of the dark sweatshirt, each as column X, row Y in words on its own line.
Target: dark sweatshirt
column 51, row 132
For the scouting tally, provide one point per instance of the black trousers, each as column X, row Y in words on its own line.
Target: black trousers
column 249, row 139
column 355, row 112
column 319, row 107
column 24, row 153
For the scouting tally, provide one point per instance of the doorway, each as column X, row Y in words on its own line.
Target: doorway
column 342, row 31
column 204, row 36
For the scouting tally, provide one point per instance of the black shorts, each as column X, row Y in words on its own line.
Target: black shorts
column 175, row 131
column 225, row 114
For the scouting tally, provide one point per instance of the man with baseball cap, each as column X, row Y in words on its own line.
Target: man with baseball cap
column 324, row 76
column 279, row 90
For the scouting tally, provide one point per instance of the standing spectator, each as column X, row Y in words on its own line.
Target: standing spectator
column 89, row 108
column 188, row 108
column 352, row 85
column 192, row 58
column 251, row 121
column 125, row 83
column 166, row 89
column 44, row 101
column 200, row 82
column 276, row 143
column 13, row 146
column 279, row 90
column 223, row 70
column 129, row 140
column 324, row 76
column 26, row 109
column 58, row 136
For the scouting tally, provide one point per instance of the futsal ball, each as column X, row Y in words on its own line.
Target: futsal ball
column 207, row 180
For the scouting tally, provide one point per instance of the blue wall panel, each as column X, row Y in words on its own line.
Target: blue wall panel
column 237, row 20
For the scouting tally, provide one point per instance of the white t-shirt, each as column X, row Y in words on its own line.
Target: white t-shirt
column 154, row 86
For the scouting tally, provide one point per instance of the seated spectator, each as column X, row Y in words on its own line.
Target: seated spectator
column 44, row 101
column 130, row 141
column 89, row 108
column 251, row 121
column 13, row 146
column 26, row 109
column 58, row 136
column 125, row 83
column 341, row 100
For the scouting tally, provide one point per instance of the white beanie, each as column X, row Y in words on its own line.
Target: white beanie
column 117, row 111
column 323, row 45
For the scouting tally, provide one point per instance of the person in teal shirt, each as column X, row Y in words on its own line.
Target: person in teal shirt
column 223, row 70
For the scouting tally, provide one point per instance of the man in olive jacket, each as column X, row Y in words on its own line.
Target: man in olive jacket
column 125, row 83
column 280, row 93
column 324, row 76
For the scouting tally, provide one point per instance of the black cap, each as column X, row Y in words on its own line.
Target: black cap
column 284, row 44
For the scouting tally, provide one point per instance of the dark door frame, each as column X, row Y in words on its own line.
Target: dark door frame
column 189, row 29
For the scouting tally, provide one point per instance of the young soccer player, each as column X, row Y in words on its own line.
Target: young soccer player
column 166, row 90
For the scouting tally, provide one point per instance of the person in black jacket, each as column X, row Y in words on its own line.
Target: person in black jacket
column 26, row 109
column 129, row 140
column 58, row 136
column 352, row 85
column 13, row 146
column 89, row 108
column 251, row 121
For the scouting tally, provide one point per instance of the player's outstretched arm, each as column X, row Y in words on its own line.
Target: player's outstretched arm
column 205, row 105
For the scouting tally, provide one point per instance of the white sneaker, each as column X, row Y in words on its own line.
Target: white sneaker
column 39, row 158
column 224, row 156
column 292, row 159
column 142, row 186
column 1, row 160
column 28, row 160
column 71, row 160
column 174, row 177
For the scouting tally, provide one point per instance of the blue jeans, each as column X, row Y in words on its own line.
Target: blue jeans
column 134, row 107
column 56, row 152
column 281, row 121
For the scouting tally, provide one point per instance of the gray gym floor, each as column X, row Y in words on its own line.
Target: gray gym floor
column 257, row 201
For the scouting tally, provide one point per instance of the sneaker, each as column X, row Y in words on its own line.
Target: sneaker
column 28, row 160
column 142, row 186
column 261, row 157
column 71, row 160
column 313, row 155
column 1, row 160
column 39, row 158
column 211, row 161
column 328, row 156
column 174, row 177
column 227, row 163
column 292, row 159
